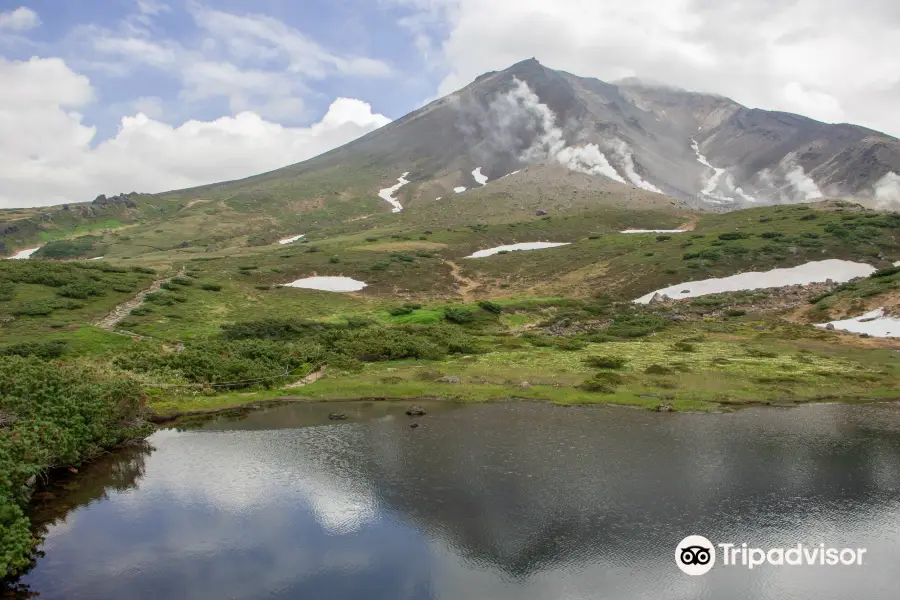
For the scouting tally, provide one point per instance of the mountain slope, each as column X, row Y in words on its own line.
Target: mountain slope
column 626, row 139
column 647, row 135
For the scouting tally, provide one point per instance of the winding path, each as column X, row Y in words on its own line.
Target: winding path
column 112, row 318
column 465, row 284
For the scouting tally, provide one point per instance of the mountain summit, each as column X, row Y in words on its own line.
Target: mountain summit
column 701, row 149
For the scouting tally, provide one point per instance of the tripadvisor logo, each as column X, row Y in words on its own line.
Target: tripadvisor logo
column 696, row 555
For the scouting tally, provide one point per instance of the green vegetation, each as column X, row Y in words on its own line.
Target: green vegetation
column 226, row 330
column 52, row 415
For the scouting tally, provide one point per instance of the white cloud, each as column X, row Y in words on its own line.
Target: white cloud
column 254, row 61
column 20, row 19
column 262, row 38
column 803, row 55
column 46, row 156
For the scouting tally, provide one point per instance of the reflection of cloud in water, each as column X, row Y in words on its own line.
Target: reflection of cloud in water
column 517, row 501
column 244, row 471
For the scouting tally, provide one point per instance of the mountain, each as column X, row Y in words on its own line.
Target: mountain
column 701, row 149
column 513, row 143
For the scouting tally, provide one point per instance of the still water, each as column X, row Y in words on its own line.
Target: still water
column 500, row 501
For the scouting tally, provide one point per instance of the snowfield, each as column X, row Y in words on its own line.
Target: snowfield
column 479, row 178
column 515, row 247
column 460, row 189
column 24, row 254
column 387, row 194
column 875, row 323
column 328, row 284
column 839, row 271
column 291, row 239
column 654, row 231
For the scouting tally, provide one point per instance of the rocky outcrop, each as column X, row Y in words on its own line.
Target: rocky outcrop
column 122, row 199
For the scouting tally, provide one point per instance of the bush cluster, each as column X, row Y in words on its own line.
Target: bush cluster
column 53, row 415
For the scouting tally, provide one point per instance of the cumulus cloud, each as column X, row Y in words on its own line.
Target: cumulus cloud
column 48, row 156
column 803, row 55
column 20, row 19
column 255, row 62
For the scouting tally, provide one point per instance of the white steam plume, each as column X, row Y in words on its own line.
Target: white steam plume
column 805, row 187
column 887, row 191
column 627, row 158
column 519, row 115
column 588, row 159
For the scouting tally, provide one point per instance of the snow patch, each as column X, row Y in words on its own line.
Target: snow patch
column 387, row 194
column 713, row 182
column 509, row 174
column 291, row 239
column 328, row 284
column 438, row 198
column 479, row 178
column 24, row 254
column 839, row 271
column 97, row 258
column 515, row 247
column 460, row 189
column 875, row 323
column 627, row 158
column 654, row 231
column 897, row 263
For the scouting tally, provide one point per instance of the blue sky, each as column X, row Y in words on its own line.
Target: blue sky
column 106, row 96
column 364, row 29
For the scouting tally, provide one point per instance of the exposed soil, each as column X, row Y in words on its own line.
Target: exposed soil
column 112, row 318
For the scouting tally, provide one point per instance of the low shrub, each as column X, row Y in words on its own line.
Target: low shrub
column 733, row 235
column 605, row 362
column 736, row 312
column 334, row 260
column 684, row 347
column 491, row 307
column 211, row 287
column 459, row 316
column 44, row 350
column 656, row 369
column 886, row 272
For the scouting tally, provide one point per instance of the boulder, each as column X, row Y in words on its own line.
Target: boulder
column 524, row 386
column 415, row 411
column 656, row 299
column 451, row 379
column 413, row 425
column 664, row 408
column 830, row 327
column 540, row 213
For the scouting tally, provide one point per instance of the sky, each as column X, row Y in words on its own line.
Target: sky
column 113, row 96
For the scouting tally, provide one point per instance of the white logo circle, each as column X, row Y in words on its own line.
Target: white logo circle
column 695, row 555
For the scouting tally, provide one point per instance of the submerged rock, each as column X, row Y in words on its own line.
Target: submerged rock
column 413, row 425
column 337, row 416
column 664, row 408
column 415, row 411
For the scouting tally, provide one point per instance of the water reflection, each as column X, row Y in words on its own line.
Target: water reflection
column 491, row 501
